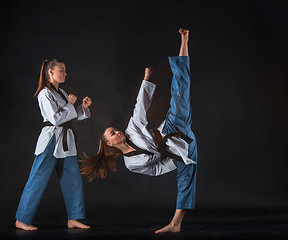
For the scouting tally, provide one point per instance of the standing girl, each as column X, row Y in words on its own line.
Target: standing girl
column 55, row 148
column 172, row 145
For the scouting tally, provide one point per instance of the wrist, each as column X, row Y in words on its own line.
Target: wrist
column 85, row 107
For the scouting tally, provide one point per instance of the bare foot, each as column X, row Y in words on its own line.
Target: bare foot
column 24, row 226
column 169, row 228
column 184, row 33
column 76, row 224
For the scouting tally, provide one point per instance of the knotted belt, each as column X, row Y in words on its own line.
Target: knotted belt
column 160, row 143
column 163, row 148
column 65, row 126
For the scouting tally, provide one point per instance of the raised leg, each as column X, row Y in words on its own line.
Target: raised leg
column 179, row 118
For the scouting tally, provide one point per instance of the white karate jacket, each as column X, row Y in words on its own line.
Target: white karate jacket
column 138, row 133
column 55, row 110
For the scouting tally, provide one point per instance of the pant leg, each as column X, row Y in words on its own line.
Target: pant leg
column 72, row 187
column 179, row 118
column 186, row 186
column 179, row 113
column 34, row 189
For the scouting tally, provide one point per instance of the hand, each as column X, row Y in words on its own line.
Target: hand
column 72, row 98
column 86, row 102
column 148, row 73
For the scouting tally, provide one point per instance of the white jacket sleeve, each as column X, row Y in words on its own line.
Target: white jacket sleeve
column 54, row 113
column 82, row 113
column 149, row 165
column 143, row 103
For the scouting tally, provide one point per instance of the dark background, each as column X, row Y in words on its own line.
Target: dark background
column 239, row 82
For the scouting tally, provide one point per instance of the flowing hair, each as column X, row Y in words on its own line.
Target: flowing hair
column 44, row 75
column 99, row 165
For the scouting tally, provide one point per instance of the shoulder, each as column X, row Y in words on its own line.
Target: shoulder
column 46, row 93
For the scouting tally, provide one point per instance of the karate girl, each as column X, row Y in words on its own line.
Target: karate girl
column 171, row 146
column 55, row 149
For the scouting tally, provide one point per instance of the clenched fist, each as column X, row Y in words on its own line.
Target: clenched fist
column 72, row 98
column 86, row 102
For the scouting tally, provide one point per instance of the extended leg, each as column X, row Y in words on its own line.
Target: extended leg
column 32, row 194
column 72, row 189
column 179, row 113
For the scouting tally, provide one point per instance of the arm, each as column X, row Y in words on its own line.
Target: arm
column 144, row 100
column 82, row 113
column 52, row 112
column 143, row 103
column 82, row 110
column 149, row 165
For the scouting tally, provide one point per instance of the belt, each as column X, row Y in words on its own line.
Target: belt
column 162, row 147
column 65, row 126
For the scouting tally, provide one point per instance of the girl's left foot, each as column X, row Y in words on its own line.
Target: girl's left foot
column 76, row 224
column 169, row 228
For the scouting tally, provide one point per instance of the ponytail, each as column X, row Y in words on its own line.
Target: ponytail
column 99, row 165
column 44, row 76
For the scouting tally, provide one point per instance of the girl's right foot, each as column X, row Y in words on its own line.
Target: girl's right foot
column 184, row 33
column 24, row 226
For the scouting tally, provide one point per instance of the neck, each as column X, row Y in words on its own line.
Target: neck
column 125, row 148
column 55, row 84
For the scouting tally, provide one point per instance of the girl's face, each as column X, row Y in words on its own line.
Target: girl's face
column 58, row 74
column 114, row 137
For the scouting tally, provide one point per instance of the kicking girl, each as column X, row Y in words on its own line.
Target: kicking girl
column 171, row 146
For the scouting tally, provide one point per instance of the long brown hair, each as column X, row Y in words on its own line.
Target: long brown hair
column 44, row 76
column 99, row 165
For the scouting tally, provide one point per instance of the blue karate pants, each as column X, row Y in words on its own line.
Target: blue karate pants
column 70, row 180
column 179, row 118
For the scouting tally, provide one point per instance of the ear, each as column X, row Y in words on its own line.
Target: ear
column 109, row 144
column 50, row 71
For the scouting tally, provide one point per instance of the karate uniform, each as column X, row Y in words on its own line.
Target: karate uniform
column 50, row 154
column 147, row 159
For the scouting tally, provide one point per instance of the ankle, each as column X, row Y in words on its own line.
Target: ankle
column 175, row 223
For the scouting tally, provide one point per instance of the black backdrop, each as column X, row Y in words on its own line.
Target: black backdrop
column 239, row 81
